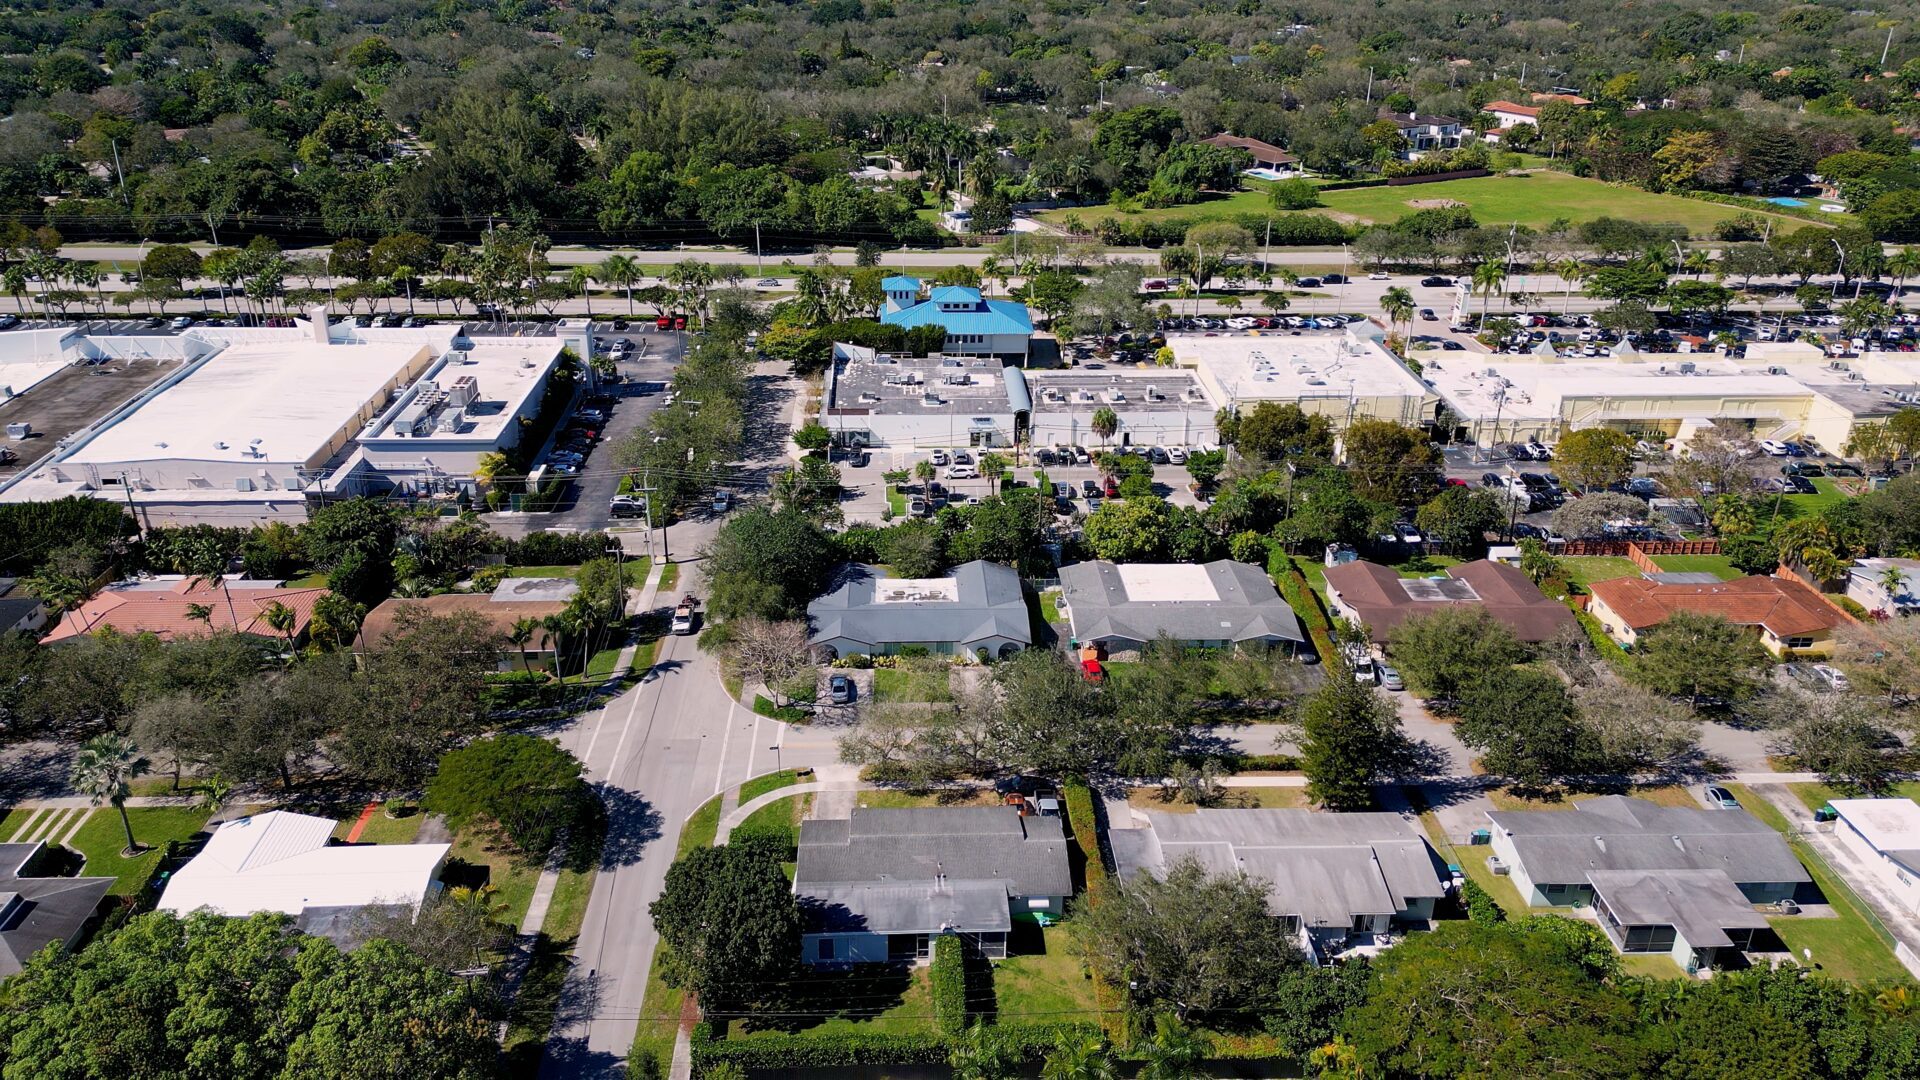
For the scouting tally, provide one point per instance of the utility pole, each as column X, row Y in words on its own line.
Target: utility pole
column 1266, row 249
column 1369, row 86
column 758, row 266
column 115, row 143
column 1888, row 47
column 127, row 486
column 647, row 489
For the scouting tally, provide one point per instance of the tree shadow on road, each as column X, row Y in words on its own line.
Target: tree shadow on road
column 631, row 823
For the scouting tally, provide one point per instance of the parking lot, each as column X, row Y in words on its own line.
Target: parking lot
column 644, row 375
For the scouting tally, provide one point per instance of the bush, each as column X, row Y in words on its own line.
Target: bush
column 1300, row 596
column 948, row 979
column 786, row 714
column 1851, row 606
column 1086, row 832
column 556, row 549
column 1480, row 906
column 840, row 1050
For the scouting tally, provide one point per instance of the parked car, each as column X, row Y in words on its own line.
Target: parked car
column 1390, row 679
column 961, row 457
column 1427, row 315
column 1774, row 447
column 840, row 690
column 940, row 459
column 181, row 322
column 1721, row 799
column 1089, row 488
column 1831, row 677
column 1802, row 468
column 722, row 501
column 627, row 506
column 1176, row 456
column 962, row 472
column 1063, row 491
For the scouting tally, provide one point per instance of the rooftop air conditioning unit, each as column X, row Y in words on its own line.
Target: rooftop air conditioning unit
column 1316, row 380
column 1776, row 370
column 1686, row 367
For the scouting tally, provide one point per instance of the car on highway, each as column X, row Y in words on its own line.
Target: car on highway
column 1309, row 283
column 1378, row 275
column 1436, row 282
column 768, row 283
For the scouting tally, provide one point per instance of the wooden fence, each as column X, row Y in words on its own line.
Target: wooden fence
column 1626, row 548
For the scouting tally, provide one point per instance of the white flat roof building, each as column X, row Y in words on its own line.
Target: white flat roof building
column 282, row 861
column 1344, row 374
column 1885, row 834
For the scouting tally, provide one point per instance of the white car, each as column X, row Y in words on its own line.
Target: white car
column 962, row 472
column 1377, row 275
column 1176, row 456
column 768, row 283
column 1240, row 323
column 939, row 458
column 1831, row 676
column 1774, row 447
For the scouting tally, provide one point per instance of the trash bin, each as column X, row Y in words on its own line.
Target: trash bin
column 1825, row 814
column 1482, row 836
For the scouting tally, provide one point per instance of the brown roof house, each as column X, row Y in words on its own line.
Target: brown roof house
column 1265, row 154
column 512, row 600
column 1381, row 599
column 1785, row 613
column 171, row 607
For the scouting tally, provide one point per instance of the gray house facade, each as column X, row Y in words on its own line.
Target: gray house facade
column 1118, row 608
column 978, row 605
column 1662, row 879
column 1338, row 881
column 881, row 885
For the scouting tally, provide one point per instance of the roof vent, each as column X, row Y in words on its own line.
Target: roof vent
column 219, row 445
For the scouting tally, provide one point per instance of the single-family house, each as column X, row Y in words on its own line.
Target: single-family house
column 1380, row 599
column 177, row 606
column 1662, row 879
column 1339, row 881
column 1786, row 614
column 37, row 911
column 501, row 610
column 1885, row 834
column 1266, row 156
column 20, row 610
column 288, row 862
column 976, row 606
column 1118, row 608
column 879, row 886
column 1508, row 114
column 1002, row 329
column 1425, row 134
column 1885, row 585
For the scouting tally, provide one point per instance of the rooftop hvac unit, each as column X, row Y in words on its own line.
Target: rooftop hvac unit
column 1856, row 376
column 1776, row 370
column 1686, row 367
column 19, row 429
column 465, row 391
column 1315, row 380
column 1153, row 394
column 931, row 401
column 451, row 419
column 1116, row 397
column 1192, row 393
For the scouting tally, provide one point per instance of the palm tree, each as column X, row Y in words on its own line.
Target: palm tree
column 403, row 276
column 64, row 593
column 1174, row 1053
column 214, row 793
column 1105, row 423
column 104, row 770
column 1079, row 1058
column 557, row 627
column 980, row 1056
column 489, row 466
column 990, row 267
column 522, row 633
column 1894, row 581
column 923, row 472
column 1397, row 305
column 1488, row 278
column 209, row 565
column 282, row 619
column 621, row 272
column 578, row 279
column 1573, row 272
column 202, row 613
column 1903, row 264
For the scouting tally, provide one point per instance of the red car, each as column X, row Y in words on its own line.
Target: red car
column 1112, row 488
column 679, row 322
column 664, row 322
column 1092, row 670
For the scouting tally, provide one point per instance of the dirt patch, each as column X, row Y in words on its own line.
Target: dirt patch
column 1434, row 204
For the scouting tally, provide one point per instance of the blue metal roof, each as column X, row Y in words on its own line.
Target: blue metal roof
column 987, row 317
column 954, row 294
column 900, row 283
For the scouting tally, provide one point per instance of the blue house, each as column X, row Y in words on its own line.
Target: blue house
column 1001, row 329
column 902, row 292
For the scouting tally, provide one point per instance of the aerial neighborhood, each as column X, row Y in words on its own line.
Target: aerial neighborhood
column 712, row 542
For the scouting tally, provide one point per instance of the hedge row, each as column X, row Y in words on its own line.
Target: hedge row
column 1300, row 596
column 1026, row 1042
column 948, row 978
column 1349, row 185
column 1481, row 908
column 1086, row 832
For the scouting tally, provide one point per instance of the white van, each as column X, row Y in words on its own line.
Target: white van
column 962, row 472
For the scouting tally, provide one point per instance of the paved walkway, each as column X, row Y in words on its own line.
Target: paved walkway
column 743, row 811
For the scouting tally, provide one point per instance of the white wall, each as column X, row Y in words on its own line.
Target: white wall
column 1898, row 880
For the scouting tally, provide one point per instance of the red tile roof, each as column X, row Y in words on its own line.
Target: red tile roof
column 1262, row 151
column 1571, row 99
column 1510, row 107
column 1784, row 607
column 163, row 612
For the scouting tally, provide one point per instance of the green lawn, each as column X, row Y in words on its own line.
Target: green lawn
column 11, row 824
column 858, row 1002
column 1535, row 200
column 1050, row 607
column 896, row 502
column 315, row 580
column 760, row 785
column 1717, row 565
column 893, row 798
column 1044, row 987
column 546, row 974
column 1584, row 570
column 382, row 829
column 636, row 570
column 700, row 828
column 102, row 838
column 511, row 876
column 902, row 685
column 1473, row 862
column 669, row 577
column 1851, row 946
column 1418, row 566
column 1828, row 493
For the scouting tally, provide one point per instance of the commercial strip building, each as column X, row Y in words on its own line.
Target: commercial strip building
column 1783, row 612
column 1779, row 391
column 1118, row 608
column 1660, row 878
column 1339, row 881
column 254, row 423
column 977, row 606
column 1379, row 599
column 1344, row 375
column 287, row 862
column 880, row 885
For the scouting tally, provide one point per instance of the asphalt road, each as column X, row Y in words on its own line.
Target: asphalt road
column 658, row 752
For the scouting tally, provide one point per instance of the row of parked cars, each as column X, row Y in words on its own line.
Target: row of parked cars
column 1259, row 322
column 578, row 438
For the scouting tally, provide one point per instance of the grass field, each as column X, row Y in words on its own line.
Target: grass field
column 1263, row 798
column 1848, row 947
column 1717, row 565
column 1586, row 569
column 1535, row 199
column 760, row 785
column 1816, row 796
column 1044, row 986
column 102, row 838
column 636, row 571
column 892, row 798
column 382, row 829
column 1663, row 795
column 901, row 685
column 512, row 876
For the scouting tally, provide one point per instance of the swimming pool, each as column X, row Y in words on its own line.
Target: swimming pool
column 1782, row 200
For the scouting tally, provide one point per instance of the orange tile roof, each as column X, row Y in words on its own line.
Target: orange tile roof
column 1262, row 151
column 1510, row 107
column 1571, row 99
column 163, row 612
column 1784, row 607
column 499, row 614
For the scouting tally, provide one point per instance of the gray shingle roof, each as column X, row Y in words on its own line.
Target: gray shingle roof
column 1325, row 868
column 1702, row 904
column 1614, row 832
column 1248, row 608
column 921, row 908
column 989, row 604
column 38, row 911
column 986, row 843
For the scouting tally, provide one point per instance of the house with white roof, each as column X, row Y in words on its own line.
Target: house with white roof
column 1885, row 834
column 1889, row 585
column 287, row 862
